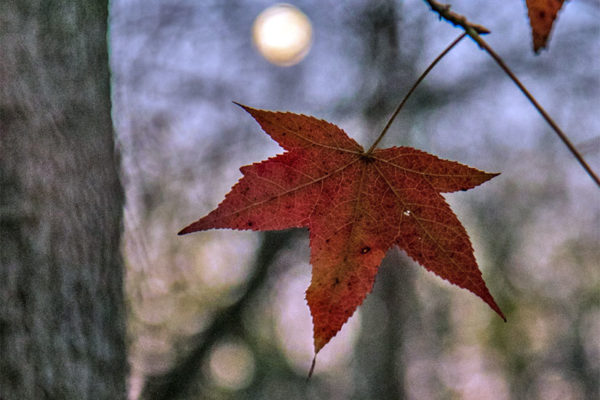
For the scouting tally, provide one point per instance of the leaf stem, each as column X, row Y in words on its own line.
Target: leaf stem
column 412, row 89
column 312, row 368
column 471, row 30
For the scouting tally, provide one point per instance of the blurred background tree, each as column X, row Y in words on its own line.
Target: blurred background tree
column 62, row 306
column 221, row 314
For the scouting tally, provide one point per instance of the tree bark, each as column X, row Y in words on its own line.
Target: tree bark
column 62, row 330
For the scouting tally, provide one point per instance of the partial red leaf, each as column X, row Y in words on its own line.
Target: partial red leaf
column 542, row 14
column 356, row 206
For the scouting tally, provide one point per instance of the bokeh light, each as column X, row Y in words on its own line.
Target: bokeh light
column 232, row 365
column 282, row 33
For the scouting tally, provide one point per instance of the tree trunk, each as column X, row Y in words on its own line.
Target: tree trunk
column 62, row 330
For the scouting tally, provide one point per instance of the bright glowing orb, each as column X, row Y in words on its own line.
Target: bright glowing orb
column 282, row 33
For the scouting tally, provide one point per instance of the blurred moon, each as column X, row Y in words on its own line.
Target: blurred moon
column 282, row 33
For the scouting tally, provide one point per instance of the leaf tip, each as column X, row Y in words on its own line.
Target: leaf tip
column 246, row 108
column 501, row 314
column 320, row 342
column 492, row 303
column 490, row 175
column 188, row 229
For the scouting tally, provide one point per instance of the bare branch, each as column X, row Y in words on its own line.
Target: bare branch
column 473, row 31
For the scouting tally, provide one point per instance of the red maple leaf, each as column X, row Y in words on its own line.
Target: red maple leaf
column 542, row 14
column 356, row 206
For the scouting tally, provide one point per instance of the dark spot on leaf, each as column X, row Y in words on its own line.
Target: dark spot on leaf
column 365, row 250
column 250, row 223
column 336, row 282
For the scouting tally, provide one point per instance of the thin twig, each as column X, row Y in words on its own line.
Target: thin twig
column 412, row 89
column 471, row 30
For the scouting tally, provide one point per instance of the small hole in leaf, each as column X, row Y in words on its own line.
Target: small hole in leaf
column 365, row 250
